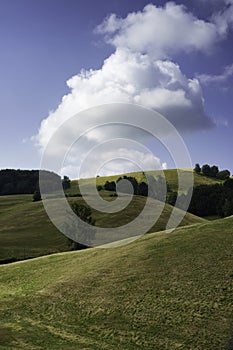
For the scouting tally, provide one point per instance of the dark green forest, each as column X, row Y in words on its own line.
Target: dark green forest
column 24, row 181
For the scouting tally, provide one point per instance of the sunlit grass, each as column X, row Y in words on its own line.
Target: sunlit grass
column 164, row 291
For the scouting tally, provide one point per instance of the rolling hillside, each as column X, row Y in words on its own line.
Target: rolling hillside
column 26, row 230
column 163, row 292
column 170, row 175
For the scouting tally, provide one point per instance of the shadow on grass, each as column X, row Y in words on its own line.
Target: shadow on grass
column 11, row 260
column 6, row 336
column 230, row 344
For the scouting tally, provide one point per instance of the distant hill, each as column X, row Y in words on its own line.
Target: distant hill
column 164, row 291
column 170, row 175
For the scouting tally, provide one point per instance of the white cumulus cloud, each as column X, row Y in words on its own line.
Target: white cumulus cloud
column 159, row 31
column 141, row 70
column 132, row 78
column 120, row 161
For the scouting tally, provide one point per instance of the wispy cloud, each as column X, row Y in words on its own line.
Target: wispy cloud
column 223, row 20
column 217, row 79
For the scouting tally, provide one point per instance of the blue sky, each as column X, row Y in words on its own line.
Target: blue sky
column 46, row 43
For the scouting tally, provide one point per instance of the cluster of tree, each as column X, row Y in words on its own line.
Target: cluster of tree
column 24, row 181
column 212, row 171
column 27, row 182
column 214, row 199
column 153, row 187
column 207, row 200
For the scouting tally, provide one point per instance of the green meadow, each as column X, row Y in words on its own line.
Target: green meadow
column 163, row 291
column 26, row 231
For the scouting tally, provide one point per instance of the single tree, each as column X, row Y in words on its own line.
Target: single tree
column 197, row 169
column 65, row 182
column 214, row 171
column 206, row 170
column 81, row 232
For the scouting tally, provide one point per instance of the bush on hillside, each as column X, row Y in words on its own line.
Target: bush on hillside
column 82, row 234
column 36, row 196
column 110, row 186
column 223, row 175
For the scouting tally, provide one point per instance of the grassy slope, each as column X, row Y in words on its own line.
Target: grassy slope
column 26, row 231
column 133, row 210
column 170, row 174
column 161, row 292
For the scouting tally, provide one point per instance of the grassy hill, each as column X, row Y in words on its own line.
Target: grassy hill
column 170, row 175
column 26, row 230
column 162, row 292
column 133, row 210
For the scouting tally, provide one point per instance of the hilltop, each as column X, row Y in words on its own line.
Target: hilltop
column 170, row 176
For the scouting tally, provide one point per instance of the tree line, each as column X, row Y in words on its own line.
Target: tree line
column 18, row 181
column 154, row 187
column 217, row 199
column 206, row 200
column 212, row 171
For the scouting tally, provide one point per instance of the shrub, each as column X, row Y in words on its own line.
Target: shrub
column 78, row 229
column 110, row 186
column 223, row 175
column 36, row 196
